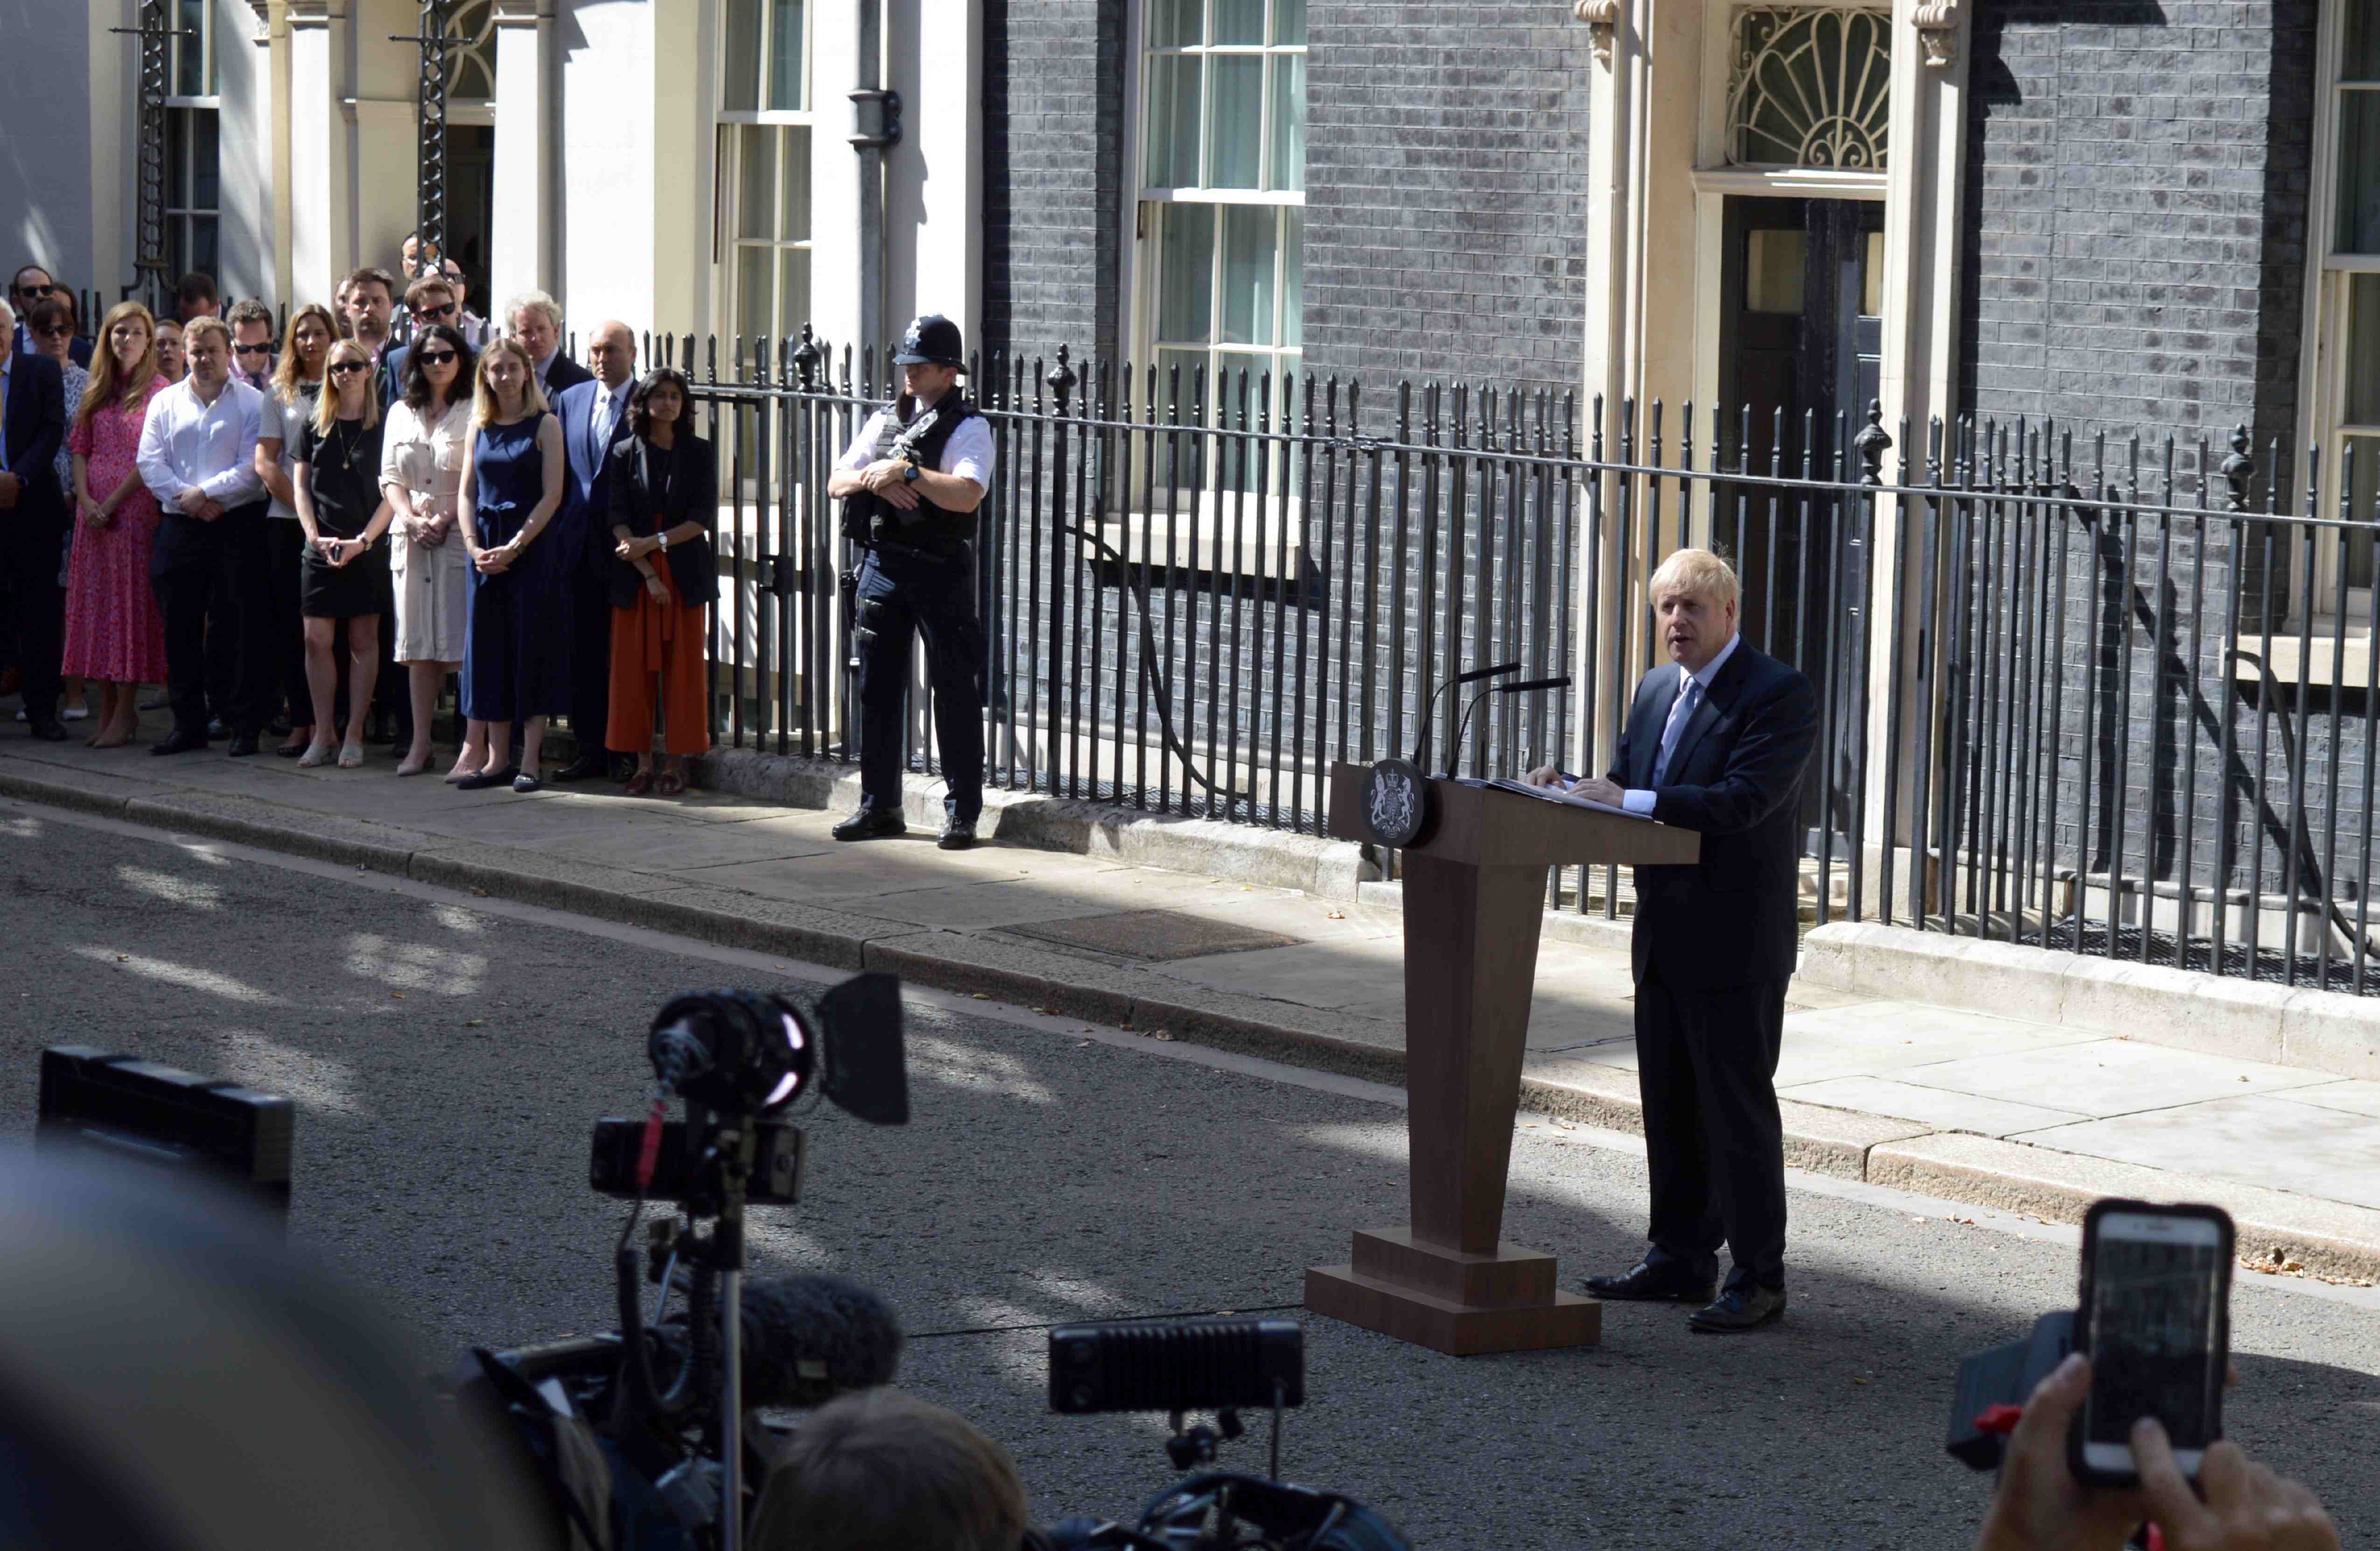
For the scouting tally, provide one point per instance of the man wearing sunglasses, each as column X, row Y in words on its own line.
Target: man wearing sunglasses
column 29, row 285
column 252, row 344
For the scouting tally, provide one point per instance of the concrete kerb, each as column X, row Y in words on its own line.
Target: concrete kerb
column 2182, row 1009
column 2323, row 1236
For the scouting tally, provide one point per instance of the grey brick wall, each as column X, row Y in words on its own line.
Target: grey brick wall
column 2136, row 213
column 1054, row 136
column 1446, row 193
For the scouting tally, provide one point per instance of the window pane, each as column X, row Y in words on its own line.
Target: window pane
column 786, row 55
column 1238, row 21
column 753, row 281
column 759, row 177
column 1872, row 277
column 1173, row 123
column 1236, row 132
column 1170, row 394
column 742, row 91
column 2364, row 480
column 204, row 160
column 1251, row 237
column 1289, row 21
column 189, row 52
column 2358, row 52
column 2362, row 405
column 1175, row 23
column 793, row 201
column 1185, row 312
column 2359, row 172
column 203, row 245
column 1772, row 272
column 177, row 149
column 793, row 290
column 1293, row 279
column 1289, row 121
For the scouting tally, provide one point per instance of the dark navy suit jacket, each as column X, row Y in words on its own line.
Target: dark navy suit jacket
column 36, row 428
column 1727, row 921
column 586, row 495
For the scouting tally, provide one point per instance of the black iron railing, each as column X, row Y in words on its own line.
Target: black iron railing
column 2114, row 703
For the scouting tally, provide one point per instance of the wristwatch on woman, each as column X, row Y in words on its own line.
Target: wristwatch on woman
column 663, row 539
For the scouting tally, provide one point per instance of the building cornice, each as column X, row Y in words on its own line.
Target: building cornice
column 1601, row 18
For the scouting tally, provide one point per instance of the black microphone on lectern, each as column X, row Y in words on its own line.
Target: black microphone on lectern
column 1421, row 748
column 1525, row 686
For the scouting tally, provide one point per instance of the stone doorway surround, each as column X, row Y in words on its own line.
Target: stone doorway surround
column 1654, row 224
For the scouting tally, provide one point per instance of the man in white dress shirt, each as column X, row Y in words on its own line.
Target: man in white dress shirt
column 197, row 456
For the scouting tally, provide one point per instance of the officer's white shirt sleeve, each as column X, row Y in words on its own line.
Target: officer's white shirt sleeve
column 968, row 453
column 862, row 451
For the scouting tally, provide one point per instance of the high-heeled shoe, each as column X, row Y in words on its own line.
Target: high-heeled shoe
column 351, row 756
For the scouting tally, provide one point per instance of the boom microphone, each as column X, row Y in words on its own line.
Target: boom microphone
column 1421, row 746
column 807, row 1340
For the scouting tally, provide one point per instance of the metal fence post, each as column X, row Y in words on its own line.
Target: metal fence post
column 1060, row 380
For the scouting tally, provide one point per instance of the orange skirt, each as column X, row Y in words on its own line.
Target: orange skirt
column 658, row 657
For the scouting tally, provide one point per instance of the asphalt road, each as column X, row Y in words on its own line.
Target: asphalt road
column 448, row 1055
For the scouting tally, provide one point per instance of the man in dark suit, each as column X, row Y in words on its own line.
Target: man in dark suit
column 32, row 284
column 1716, row 742
column 33, row 522
column 594, row 420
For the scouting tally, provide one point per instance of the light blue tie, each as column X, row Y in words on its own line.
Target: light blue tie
column 1681, row 713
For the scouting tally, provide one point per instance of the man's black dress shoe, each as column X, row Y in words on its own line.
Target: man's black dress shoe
column 182, row 742
column 48, row 730
column 871, row 824
column 958, row 834
column 216, row 729
column 1646, row 1283
column 242, row 745
column 1739, row 1308
column 586, row 767
column 487, row 779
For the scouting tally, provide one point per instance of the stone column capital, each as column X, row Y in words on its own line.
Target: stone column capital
column 1601, row 18
column 1937, row 29
column 523, row 13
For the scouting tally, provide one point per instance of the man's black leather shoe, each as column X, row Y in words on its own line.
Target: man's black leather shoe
column 1645, row 1283
column 871, row 824
column 242, row 745
column 958, row 834
column 182, row 742
column 586, row 767
column 1739, row 1309
column 216, row 729
column 48, row 730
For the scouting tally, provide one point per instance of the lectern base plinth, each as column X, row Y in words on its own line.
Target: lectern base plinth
column 1442, row 1324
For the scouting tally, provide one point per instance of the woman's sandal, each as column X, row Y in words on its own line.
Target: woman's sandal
column 351, row 756
column 672, row 784
column 314, row 755
column 639, row 784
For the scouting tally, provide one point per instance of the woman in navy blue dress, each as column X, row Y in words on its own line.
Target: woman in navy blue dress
column 516, row 647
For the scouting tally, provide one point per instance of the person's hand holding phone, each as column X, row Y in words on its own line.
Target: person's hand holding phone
column 2247, row 1506
column 2039, row 1504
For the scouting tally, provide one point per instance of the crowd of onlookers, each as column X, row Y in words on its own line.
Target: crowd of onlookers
column 270, row 520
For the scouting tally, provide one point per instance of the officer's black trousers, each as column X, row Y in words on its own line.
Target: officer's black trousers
column 901, row 596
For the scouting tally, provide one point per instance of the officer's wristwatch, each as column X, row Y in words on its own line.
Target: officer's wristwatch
column 909, row 474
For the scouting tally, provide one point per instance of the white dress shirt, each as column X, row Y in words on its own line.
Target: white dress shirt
column 186, row 442
column 1639, row 800
column 611, row 403
column 968, row 454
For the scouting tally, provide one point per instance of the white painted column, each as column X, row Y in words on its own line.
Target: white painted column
column 115, row 167
column 933, row 216
column 521, row 256
column 1919, row 376
column 636, row 209
column 384, row 146
column 246, row 219
column 321, row 207
column 834, row 176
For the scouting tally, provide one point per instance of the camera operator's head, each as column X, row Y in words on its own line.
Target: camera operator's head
column 880, row 1470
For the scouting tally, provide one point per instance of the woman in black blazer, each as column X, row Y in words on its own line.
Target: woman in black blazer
column 664, row 484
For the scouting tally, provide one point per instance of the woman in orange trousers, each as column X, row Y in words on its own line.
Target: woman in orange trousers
column 664, row 484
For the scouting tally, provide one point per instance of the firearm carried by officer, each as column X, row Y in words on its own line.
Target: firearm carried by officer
column 911, row 483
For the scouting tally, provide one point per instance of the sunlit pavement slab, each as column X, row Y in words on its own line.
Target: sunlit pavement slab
column 2032, row 1116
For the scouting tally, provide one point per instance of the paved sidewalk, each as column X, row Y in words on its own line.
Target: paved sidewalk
column 2007, row 1115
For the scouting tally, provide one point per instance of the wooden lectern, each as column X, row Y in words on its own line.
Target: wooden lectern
column 1474, row 896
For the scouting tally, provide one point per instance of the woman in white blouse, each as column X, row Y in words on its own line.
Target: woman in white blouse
column 421, row 468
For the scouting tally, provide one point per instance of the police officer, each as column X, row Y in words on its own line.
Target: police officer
column 910, row 483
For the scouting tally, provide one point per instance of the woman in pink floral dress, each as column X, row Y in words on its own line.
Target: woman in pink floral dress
column 115, row 637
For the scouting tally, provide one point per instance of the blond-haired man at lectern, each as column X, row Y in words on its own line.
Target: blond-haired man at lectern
column 1715, row 742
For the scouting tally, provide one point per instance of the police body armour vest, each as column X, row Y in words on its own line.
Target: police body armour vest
column 929, row 528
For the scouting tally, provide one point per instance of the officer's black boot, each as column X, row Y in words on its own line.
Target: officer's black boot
column 871, row 824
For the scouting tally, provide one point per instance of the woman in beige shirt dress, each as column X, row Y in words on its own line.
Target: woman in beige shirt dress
column 421, row 468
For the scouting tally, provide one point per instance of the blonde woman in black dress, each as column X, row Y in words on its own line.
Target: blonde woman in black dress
column 343, row 568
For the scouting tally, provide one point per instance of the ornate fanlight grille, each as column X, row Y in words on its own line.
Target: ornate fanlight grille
column 473, row 25
column 1810, row 89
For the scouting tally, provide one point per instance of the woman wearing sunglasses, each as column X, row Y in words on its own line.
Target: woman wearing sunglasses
column 345, row 572
column 428, row 435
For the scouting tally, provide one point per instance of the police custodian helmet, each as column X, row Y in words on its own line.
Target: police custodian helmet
column 931, row 340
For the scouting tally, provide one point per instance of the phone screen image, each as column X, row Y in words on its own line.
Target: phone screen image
column 2154, row 1329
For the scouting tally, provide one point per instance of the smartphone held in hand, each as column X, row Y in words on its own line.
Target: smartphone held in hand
column 2155, row 1321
